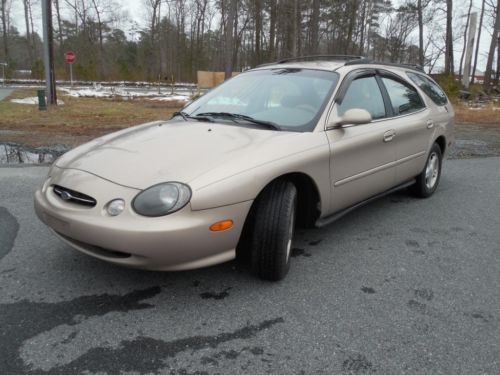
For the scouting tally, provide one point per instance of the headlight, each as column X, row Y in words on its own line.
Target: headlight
column 162, row 199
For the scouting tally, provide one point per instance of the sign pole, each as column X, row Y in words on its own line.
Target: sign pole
column 70, row 57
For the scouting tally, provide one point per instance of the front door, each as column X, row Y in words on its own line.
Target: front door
column 362, row 156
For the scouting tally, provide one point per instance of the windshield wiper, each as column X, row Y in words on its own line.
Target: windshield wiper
column 187, row 117
column 184, row 115
column 237, row 116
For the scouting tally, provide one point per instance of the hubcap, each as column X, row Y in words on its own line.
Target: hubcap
column 432, row 171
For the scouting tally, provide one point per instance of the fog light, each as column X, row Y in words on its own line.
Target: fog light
column 116, row 207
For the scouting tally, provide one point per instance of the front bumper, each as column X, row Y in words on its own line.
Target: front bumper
column 179, row 241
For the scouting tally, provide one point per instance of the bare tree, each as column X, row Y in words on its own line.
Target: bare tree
column 100, row 8
column 229, row 38
column 272, row 28
column 448, row 56
column 465, row 39
column 59, row 23
column 478, row 42
column 493, row 45
column 28, row 32
column 421, row 6
column 5, row 13
column 314, row 42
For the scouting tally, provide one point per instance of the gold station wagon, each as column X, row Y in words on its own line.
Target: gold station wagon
column 294, row 143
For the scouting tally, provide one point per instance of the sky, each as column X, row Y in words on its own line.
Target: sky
column 136, row 12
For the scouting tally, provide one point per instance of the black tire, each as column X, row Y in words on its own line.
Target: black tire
column 427, row 183
column 273, row 230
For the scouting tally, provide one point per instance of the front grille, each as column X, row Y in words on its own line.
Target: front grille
column 72, row 196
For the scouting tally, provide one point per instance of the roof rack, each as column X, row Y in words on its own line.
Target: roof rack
column 322, row 57
column 372, row 62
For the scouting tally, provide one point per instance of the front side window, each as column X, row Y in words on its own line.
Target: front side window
column 404, row 99
column 363, row 93
column 431, row 89
column 291, row 98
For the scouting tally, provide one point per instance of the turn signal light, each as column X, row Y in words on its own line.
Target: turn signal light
column 221, row 225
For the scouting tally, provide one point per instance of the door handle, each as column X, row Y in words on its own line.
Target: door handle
column 389, row 135
column 430, row 124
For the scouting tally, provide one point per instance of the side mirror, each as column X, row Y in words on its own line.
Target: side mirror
column 355, row 116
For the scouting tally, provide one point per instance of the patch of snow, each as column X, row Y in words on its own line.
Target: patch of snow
column 33, row 100
column 99, row 91
column 180, row 98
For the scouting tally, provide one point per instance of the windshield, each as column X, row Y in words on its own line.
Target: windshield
column 292, row 99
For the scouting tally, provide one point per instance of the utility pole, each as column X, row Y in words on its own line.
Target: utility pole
column 48, row 52
column 468, row 52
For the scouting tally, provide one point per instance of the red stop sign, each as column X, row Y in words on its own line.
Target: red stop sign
column 70, row 57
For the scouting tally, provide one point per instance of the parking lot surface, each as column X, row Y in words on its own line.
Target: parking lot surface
column 401, row 285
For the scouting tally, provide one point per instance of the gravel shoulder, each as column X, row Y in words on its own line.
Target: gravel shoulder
column 476, row 140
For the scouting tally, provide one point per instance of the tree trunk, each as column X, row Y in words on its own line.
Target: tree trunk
column 229, row 39
column 315, row 27
column 421, row 59
column 291, row 19
column 101, row 40
column 33, row 41
column 5, row 31
column 473, row 74
column 258, row 31
column 448, row 57
column 298, row 28
column 491, row 53
column 272, row 30
column 465, row 40
column 497, row 75
column 28, row 34
column 362, row 23
column 350, row 29
column 59, row 24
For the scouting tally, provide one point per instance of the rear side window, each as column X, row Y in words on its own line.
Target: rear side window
column 404, row 98
column 428, row 86
column 364, row 93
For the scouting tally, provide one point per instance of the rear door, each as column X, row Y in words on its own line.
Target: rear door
column 409, row 118
column 362, row 156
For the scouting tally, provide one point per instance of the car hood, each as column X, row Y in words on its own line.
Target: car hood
column 157, row 152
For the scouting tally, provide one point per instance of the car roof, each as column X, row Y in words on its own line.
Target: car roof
column 335, row 62
column 319, row 65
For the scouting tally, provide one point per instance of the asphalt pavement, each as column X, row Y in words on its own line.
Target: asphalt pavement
column 400, row 286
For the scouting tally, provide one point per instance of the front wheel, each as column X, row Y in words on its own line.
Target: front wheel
column 274, row 228
column 428, row 179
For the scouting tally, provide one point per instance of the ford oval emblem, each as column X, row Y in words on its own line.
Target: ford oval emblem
column 65, row 196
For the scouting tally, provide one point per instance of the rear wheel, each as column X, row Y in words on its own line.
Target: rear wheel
column 428, row 180
column 273, row 231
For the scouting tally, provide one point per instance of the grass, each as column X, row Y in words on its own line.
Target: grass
column 487, row 115
column 78, row 117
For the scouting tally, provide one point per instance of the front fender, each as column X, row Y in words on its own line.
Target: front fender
column 247, row 184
